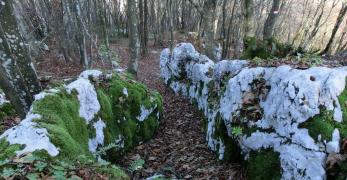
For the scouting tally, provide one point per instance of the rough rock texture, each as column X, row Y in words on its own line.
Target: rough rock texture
column 85, row 116
column 284, row 121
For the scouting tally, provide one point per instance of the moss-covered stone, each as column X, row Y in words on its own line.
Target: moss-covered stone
column 264, row 164
column 67, row 130
column 7, row 150
column 320, row 125
column 120, row 111
column 232, row 151
column 129, row 111
column 259, row 108
column 324, row 124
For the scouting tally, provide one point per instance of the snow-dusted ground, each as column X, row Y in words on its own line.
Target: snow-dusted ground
column 294, row 96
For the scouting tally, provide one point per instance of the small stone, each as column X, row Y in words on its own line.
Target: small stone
column 188, row 177
column 152, row 158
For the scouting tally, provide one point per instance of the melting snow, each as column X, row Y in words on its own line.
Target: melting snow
column 3, row 99
column 27, row 133
column 89, row 104
column 90, row 73
column 43, row 94
column 125, row 92
column 99, row 139
column 145, row 113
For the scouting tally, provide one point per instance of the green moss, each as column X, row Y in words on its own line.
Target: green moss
column 8, row 151
column 113, row 172
column 343, row 103
column 68, row 131
column 324, row 123
column 213, row 96
column 264, row 164
column 120, row 114
column 232, row 150
column 265, row 49
column 342, row 172
column 6, row 110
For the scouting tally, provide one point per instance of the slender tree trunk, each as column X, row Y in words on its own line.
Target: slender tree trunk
column 81, row 36
column 134, row 44
column 248, row 14
column 171, row 25
column 208, row 26
column 141, row 25
column 224, row 37
column 271, row 19
column 339, row 21
column 145, row 27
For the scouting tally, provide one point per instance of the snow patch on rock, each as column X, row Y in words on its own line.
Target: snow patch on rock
column 145, row 112
column 99, row 139
column 87, row 96
column 27, row 133
column 43, row 94
column 125, row 92
column 334, row 145
column 3, row 99
column 90, row 73
column 293, row 97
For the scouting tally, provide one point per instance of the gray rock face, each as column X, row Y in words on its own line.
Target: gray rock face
column 269, row 105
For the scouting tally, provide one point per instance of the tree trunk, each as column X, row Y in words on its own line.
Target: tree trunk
column 145, row 27
column 170, row 12
column 208, row 26
column 248, row 14
column 141, row 25
column 271, row 19
column 81, row 37
column 18, row 78
column 339, row 21
column 134, row 44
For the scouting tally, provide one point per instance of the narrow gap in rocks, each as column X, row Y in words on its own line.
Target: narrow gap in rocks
column 179, row 148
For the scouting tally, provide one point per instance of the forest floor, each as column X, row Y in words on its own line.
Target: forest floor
column 179, row 148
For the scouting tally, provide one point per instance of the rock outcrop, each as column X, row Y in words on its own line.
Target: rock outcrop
column 96, row 112
column 285, row 122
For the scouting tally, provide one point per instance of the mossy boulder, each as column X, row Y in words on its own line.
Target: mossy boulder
column 283, row 122
column 96, row 116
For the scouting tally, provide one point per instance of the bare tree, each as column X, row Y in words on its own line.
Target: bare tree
column 134, row 44
column 339, row 21
column 208, row 22
column 271, row 19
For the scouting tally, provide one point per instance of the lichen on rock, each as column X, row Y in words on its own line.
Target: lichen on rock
column 284, row 111
column 90, row 113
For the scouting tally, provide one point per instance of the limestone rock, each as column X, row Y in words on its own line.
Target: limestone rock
column 80, row 118
column 297, row 115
